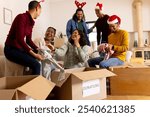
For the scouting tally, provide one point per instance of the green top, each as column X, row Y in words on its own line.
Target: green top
column 80, row 26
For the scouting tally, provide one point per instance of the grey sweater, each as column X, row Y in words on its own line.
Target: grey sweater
column 73, row 56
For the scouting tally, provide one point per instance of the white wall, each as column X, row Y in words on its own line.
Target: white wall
column 62, row 11
column 57, row 12
column 20, row 6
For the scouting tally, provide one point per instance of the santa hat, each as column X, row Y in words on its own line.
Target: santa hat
column 79, row 5
column 99, row 6
column 114, row 19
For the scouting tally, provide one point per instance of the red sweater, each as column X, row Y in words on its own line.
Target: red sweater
column 21, row 32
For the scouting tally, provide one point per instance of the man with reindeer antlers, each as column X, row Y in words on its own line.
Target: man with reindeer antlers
column 78, row 22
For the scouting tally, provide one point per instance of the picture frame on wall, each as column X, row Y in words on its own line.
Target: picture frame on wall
column 7, row 13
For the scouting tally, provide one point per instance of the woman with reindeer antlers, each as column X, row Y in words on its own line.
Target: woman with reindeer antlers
column 78, row 22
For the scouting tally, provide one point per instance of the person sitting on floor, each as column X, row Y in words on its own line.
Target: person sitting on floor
column 75, row 51
column 48, row 64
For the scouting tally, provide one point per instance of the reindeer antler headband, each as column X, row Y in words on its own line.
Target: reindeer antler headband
column 42, row 1
column 79, row 5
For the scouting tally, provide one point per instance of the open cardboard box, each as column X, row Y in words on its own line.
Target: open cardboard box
column 59, row 42
column 81, row 83
column 20, row 87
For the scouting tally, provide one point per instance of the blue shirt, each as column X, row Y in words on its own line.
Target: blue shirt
column 72, row 25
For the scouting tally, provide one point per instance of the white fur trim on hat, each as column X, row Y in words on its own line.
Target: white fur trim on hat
column 113, row 21
column 97, row 7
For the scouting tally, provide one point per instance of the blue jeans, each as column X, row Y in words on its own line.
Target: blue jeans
column 104, row 63
column 22, row 58
column 110, row 62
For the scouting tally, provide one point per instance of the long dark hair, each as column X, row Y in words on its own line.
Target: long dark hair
column 82, row 40
column 75, row 15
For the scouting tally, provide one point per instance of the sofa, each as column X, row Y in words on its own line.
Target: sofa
column 8, row 68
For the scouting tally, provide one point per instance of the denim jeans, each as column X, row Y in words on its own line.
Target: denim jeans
column 95, row 61
column 104, row 63
column 22, row 58
column 110, row 62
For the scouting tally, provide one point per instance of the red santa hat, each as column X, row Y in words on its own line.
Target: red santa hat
column 114, row 19
column 99, row 6
column 79, row 5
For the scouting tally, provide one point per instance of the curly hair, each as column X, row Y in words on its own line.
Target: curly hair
column 82, row 40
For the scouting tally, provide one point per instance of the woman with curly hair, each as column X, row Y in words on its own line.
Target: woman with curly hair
column 75, row 51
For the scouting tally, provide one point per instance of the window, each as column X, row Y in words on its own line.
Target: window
column 92, row 35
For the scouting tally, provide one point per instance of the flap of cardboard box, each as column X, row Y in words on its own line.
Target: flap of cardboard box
column 58, row 42
column 38, row 88
column 94, row 74
column 68, row 72
column 54, row 78
column 12, row 82
column 7, row 94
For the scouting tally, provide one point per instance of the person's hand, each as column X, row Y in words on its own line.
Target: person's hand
column 39, row 57
column 39, row 49
column 109, row 47
column 76, row 40
column 92, row 27
column 50, row 46
column 76, row 43
column 102, row 47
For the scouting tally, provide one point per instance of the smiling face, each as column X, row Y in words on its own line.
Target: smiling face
column 50, row 34
column 79, row 15
column 75, row 35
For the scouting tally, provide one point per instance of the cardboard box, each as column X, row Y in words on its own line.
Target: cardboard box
column 58, row 42
column 130, row 81
column 82, row 83
column 20, row 87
